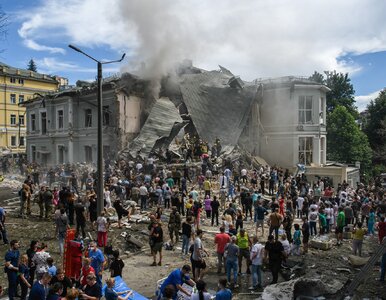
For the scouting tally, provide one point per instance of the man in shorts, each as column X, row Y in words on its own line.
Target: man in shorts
column 121, row 211
column 198, row 261
column 260, row 213
column 156, row 243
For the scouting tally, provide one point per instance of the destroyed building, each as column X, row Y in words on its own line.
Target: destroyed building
column 282, row 120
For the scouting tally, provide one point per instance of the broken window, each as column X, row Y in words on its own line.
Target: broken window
column 106, row 116
column 60, row 119
column 88, row 154
column 305, row 150
column 43, row 117
column 33, row 122
column 88, row 118
column 305, row 110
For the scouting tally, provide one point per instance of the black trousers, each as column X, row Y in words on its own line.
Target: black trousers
column 275, row 268
column 214, row 216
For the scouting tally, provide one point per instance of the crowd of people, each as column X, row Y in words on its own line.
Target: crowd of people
column 229, row 198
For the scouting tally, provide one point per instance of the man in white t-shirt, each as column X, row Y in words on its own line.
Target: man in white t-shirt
column 257, row 254
column 299, row 207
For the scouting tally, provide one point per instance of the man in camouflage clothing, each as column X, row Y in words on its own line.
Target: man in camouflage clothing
column 174, row 225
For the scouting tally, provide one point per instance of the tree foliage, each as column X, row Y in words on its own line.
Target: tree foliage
column 32, row 66
column 346, row 142
column 375, row 127
column 341, row 90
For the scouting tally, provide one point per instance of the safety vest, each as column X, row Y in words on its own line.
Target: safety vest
column 242, row 241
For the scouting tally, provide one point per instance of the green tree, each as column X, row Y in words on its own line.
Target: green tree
column 32, row 66
column 341, row 90
column 375, row 128
column 346, row 142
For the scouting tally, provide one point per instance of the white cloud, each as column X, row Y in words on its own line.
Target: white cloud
column 363, row 101
column 252, row 38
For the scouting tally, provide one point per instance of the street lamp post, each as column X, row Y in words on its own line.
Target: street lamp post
column 100, row 123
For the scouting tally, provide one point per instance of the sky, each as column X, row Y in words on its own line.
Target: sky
column 254, row 39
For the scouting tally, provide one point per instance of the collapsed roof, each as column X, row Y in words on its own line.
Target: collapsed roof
column 217, row 103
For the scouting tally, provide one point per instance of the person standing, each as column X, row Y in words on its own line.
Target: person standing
column 24, row 276
column 358, row 235
column 3, row 230
column 232, row 256
column 80, row 214
column 275, row 220
column 257, row 255
column 61, row 223
column 174, row 225
column 30, row 253
column 296, row 240
column 215, row 204
column 47, row 200
column 156, row 242
column 313, row 217
column 274, row 252
column 143, row 193
column 186, row 234
column 305, row 234
column 198, row 256
column 260, row 213
column 244, row 244
column 40, row 261
column 12, row 267
column 221, row 240
column 92, row 290
column 102, row 227
column 116, row 265
column 97, row 260
column 340, row 223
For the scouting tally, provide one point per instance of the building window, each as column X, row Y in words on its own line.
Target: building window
column 88, row 118
column 305, row 109
column 13, row 99
column 106, row 116
column 12, row 80
column 33, row 153
column 60, row 154
column 60, row 119
column 88, row 154
column 322, row 110
column 22, row 141
column 21, row 81
column 33, row 122
column 13, row 141
column 305, row 150
column 13, row 119
column 21, row 120
column 21, row 98
column 43, row 117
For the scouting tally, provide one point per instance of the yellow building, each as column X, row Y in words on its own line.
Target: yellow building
column 17, row 86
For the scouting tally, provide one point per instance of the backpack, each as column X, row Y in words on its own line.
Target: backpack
column 313, row 217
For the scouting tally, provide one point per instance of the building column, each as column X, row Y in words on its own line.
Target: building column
column 316, row 151
column 70, row 148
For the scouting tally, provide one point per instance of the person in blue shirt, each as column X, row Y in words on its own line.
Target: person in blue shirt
column 39, row 289
column 223, row 293
column 177, row 278
column 11, row 267
column 110, row 294
column 97, row 260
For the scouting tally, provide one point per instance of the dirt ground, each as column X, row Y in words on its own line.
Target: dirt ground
column 140, row 276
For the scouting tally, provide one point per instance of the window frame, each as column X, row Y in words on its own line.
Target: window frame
column 12, row 120
column 33, row 122
column 22, row 138
column 88, row 118
column 305, row 150
column 13, row 141
column 304, row 111
column 21, row 118
column 12, row 98
column 43, row 124
column 21, row 97
column 60, row 119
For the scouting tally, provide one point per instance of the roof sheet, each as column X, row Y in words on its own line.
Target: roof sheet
column 216, row 109
column 163, row 122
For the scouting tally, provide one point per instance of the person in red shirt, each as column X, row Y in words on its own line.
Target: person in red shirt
column 86, row 269
column 381, row 229
column 221, row 239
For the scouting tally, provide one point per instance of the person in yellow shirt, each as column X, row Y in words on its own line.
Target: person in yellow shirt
column 358, row 235
column 244, row 244
column 207, row 187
